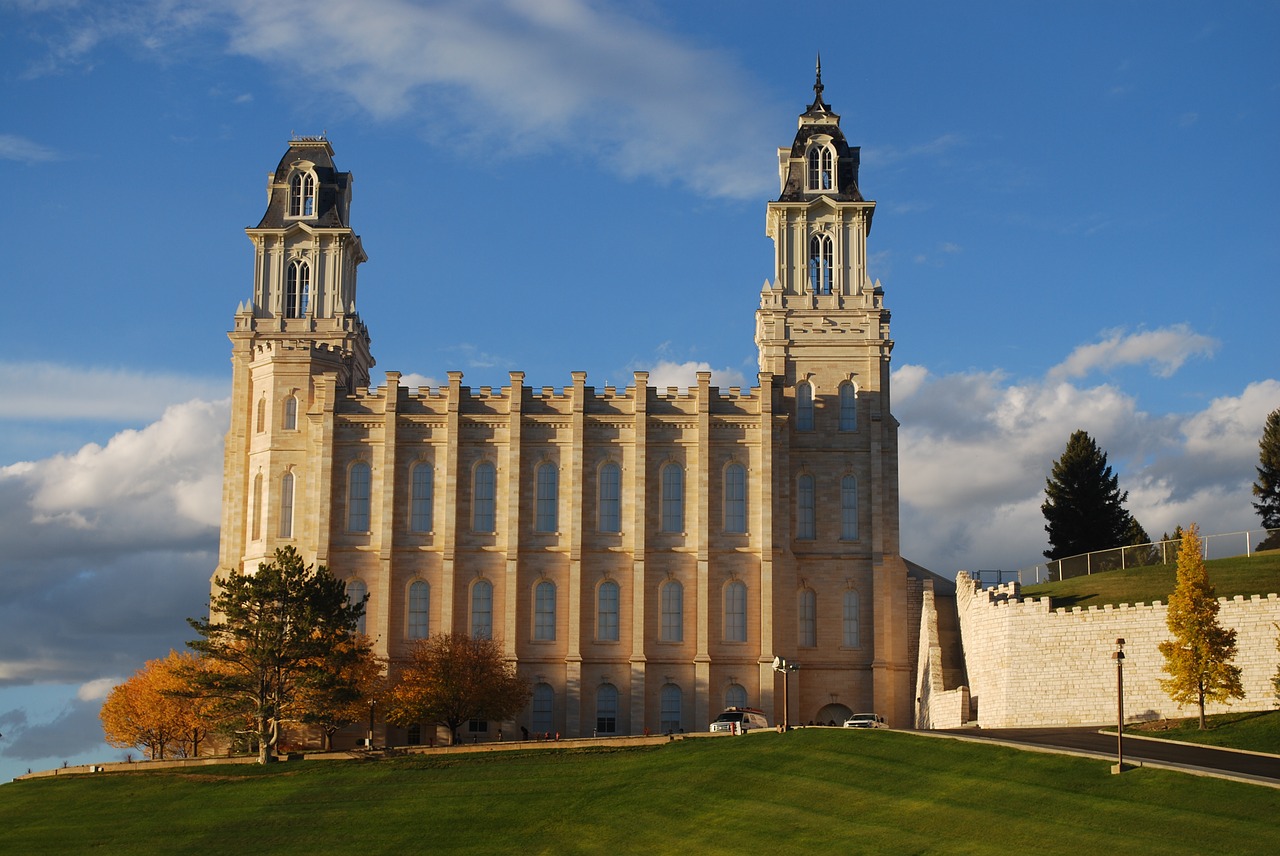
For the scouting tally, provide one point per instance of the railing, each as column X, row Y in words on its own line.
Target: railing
column 1222, row 546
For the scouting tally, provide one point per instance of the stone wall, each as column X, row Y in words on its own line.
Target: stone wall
column 1029, row 665
column 936, row 706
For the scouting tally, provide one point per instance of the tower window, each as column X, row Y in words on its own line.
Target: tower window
column 286, row 505
column 482, row 497
column 607, row 709
column 672, row 498
column 849, row 508
column 302, row 195
column 735, row 612
column 358, row 593
column 806, row 529
column 547, row 498
column 672, row 612
column 848, row 407
column 808, row 615
column 297, row 289
column 420, row 516
column 735, row 498
column 852, row 637
column 607, row 611
column 610, row 517
column 482, row 610
column 291, row 413
column 804, row 407
column 821, row 263
column 821, row 173
column 358, row 498
column 419, row 610
column 669, row 717
column 544, row 611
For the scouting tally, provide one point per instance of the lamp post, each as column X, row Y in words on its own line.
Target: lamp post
column 373, row 703
column 781, row 665
column 1118, row 656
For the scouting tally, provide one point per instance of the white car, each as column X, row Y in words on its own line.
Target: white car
column 865, row 720
column 740, row 720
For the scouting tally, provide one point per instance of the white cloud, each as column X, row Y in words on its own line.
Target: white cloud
column 17, row 148
column 684, row 375
column 1164, row 350
column 97, row 689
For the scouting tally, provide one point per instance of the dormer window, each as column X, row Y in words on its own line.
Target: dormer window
column 822, row 174
column 302, row 195
column 821, row 263
column 297, row 289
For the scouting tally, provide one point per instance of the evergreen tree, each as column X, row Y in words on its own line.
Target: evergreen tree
column 1084, row 506
column 1267, row 487
column 1198, row 657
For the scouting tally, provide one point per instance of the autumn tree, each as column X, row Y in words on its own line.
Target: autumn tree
column 452, row 678
column 344, row 688
column 272, row 635
column 150, row 710
column 1084, row 506
column 1267, row 487
column 1198, row 657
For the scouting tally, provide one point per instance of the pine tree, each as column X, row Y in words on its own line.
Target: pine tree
column 1198, row 657
column 1267, row 487
column 1084, row 506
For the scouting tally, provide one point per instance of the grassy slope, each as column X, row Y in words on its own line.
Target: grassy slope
column 1257, row 731
column 1258, row 574
column 809, row 791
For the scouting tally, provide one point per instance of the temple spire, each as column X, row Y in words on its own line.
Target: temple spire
column 818, row 107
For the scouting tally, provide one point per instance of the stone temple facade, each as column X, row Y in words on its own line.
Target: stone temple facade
column 641, row 554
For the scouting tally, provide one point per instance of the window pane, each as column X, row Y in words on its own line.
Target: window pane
column 808, row 610
column 848, row 407
column 291, row 413
column 419, row 610
column 607, row 611
column 805, row 524
column 356, row 592
column 673, row 612
column 804, row 407
column 358, row 498
column 482, row 498
column 610, row 498
column 735, row 612
column 286, row 505
column 735, row 498
column 543, row 708
column 849, row 508
column 482, row 610
column 672, row 498
column 544, row 612
column 669, row 719
column 851, row 635
column 256, row 512
column 547, row 490
column 420, row 503
column 607, row 709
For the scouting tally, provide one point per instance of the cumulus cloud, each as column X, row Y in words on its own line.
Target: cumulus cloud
column 1163, row 350
column 683, row 375
column 15, row 148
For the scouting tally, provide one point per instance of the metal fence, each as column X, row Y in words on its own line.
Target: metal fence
column 1223, row 546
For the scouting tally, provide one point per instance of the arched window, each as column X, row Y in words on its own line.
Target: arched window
column 821, row 263
column 482, row 610
column 669, row 718
column 261, row 416
column 848, row 407
column 544, row 611
column 482, row 496
column 421, row 487
column 302, row 195
column 849, row 508
column 735, row 498
column 357, row 593
column 358, row 497
column 808, row 615
column 286, row 505
column 419, row 610
column 291, row 413
column 610, row 500
column 851, row 633
column 672, row 612
column 806, row 528
column 735, row 696
column 607, row 709
column 672, row 498
column 297, row 290
column 544, row 699
column 804, row 406
column 735, row 612
column 821, row 174
column 548, row 491
column 607, row 611
column 255, row 512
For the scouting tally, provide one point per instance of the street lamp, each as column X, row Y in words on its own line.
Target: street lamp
column 373, row 703
column 1118, row 656
column 781, row 665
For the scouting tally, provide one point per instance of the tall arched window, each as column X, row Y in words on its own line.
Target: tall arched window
column 544, row 611
column 286, row 505
column 297, row 290
column 852, row 636
column 821, row 174
column 807, row 609
column 821, row 263
column 421, row 489
column 482, row 496
column 804, row 406
column 806, row 527
column 358, row 497
column 672, row 597
column 482, row 610
column 849, row 508
column 735, row 696
column 672, row 498
column 302, row 195
column 607, row 709
column 848, row 407
column 419, row 610
column 291, row 413
column 544, row 699
column 607, row 611
column 255, row 511
column 548, row 494
column 669, row 718
column 357, row 591
column 735, row 498
column 735, row 612
column 260, row 418
column 610, row 500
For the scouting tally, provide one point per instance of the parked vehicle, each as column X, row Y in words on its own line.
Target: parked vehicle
column 740, row 720
column 865, row 720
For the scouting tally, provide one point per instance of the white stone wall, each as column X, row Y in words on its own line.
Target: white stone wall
column 1029, row 665
column 936, row 706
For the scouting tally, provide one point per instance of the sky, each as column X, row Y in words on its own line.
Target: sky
column 1076, row 229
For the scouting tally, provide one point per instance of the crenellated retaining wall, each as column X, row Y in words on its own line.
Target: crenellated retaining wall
column 1029, row 665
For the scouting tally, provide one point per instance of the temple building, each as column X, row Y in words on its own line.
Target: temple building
column 641, row 554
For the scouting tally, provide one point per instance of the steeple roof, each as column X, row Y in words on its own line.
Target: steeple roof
column 819, row 125
column 333, row 188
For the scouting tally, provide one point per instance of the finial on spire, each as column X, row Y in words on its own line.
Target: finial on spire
column 817, row 85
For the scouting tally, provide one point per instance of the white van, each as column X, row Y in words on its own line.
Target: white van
column 740, row 720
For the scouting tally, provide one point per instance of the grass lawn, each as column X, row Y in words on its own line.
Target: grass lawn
column 810, row 791
column 1258, row 731
column 1244, row 575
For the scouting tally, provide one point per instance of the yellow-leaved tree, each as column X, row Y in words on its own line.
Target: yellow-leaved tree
column 1198, row 657
column 149, row 710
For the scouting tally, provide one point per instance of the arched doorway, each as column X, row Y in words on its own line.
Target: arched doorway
column 832, row 714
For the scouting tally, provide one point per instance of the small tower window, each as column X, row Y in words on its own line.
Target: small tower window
column 848, row 407
column 291, row 413
column 302, row 195
column 297, row 289
column 804, row 407
column 821, row 263
column 821, row 171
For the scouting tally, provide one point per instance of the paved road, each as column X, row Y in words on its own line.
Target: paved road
column 1265, row 767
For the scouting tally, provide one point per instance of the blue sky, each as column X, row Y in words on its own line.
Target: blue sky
column 1076, row 228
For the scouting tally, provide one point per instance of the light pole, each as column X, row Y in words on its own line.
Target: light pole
column 373, row 703
column 781, row 665
column 1118, row 656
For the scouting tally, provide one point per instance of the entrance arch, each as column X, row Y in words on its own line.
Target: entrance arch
column 836, row 713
